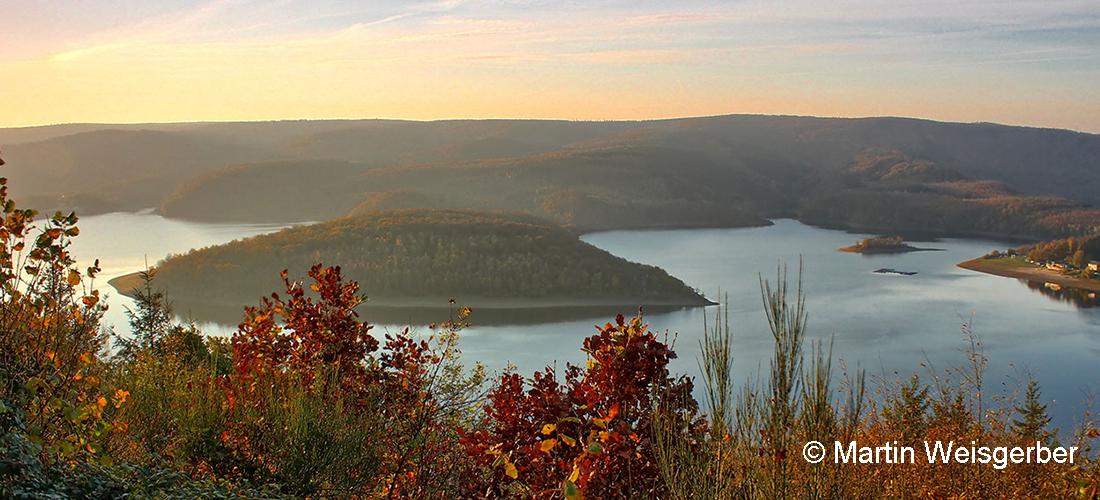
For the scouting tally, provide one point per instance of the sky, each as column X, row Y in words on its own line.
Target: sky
column 131, row 61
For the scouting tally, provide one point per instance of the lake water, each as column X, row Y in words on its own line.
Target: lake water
column 891, row 325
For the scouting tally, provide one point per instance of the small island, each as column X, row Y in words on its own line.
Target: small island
column 884, row 244
column 420, row 258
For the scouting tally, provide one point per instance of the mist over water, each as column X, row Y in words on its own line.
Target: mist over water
column 891, row 325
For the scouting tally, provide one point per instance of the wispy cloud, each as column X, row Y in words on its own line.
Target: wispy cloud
column 818, row 55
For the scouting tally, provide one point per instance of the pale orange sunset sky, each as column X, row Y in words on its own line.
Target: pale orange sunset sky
column 1026, row 62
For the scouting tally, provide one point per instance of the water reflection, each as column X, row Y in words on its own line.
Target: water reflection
column 1078, row 297
column 226, row 317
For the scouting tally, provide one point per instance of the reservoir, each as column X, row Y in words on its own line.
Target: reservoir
column 889, row 324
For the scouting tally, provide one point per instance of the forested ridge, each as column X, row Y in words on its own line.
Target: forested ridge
column 876, row 174
column 427, row 255
column 891, row 191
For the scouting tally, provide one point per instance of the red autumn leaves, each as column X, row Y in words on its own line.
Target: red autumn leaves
column 592, row 433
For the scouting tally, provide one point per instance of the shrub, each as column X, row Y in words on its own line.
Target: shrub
column 315, row 401
column 50, row 373
column 591, row 434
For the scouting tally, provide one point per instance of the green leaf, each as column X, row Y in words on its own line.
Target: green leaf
column 33, row 384
column 571, row 491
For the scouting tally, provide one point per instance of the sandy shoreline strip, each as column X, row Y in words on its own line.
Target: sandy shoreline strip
column 989, row 266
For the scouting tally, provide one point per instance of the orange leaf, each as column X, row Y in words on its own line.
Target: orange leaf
column 548, row 445
column 120, row 397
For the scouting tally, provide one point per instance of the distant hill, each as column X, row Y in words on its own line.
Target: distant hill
column 122, row 169
column 423, row 257
column 881, row 174
column 892, row 191
column 583, row 189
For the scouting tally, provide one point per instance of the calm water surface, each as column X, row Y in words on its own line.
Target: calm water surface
column 889, row 324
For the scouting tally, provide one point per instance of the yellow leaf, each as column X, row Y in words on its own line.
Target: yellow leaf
column 548, row 428
column 575, row 474
column 548, row 445
column 74, row 278
column 510, row 469
column 568, row 440
column 600, row 422
column 120, row 397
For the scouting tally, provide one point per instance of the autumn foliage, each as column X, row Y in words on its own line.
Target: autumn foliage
column 302, row 336
column 592, row 432
column 51, row 380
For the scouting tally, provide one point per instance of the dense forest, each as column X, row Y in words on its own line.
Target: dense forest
column 880, row 174
column 428, row 256
column 1075, row 251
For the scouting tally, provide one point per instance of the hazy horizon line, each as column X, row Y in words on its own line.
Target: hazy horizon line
column 545, row 119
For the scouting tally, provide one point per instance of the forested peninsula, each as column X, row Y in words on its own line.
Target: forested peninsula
column 420, row 257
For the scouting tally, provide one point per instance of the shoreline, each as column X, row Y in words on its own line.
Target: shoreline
column 886, row 251
column 1029, row 273
column 127, row 283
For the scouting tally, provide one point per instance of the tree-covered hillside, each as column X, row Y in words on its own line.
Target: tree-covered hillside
column 891, row 191
column 426, row 256
column 1076, row 251
column 880, row 174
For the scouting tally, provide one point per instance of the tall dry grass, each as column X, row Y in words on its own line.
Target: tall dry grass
column 758, row 427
